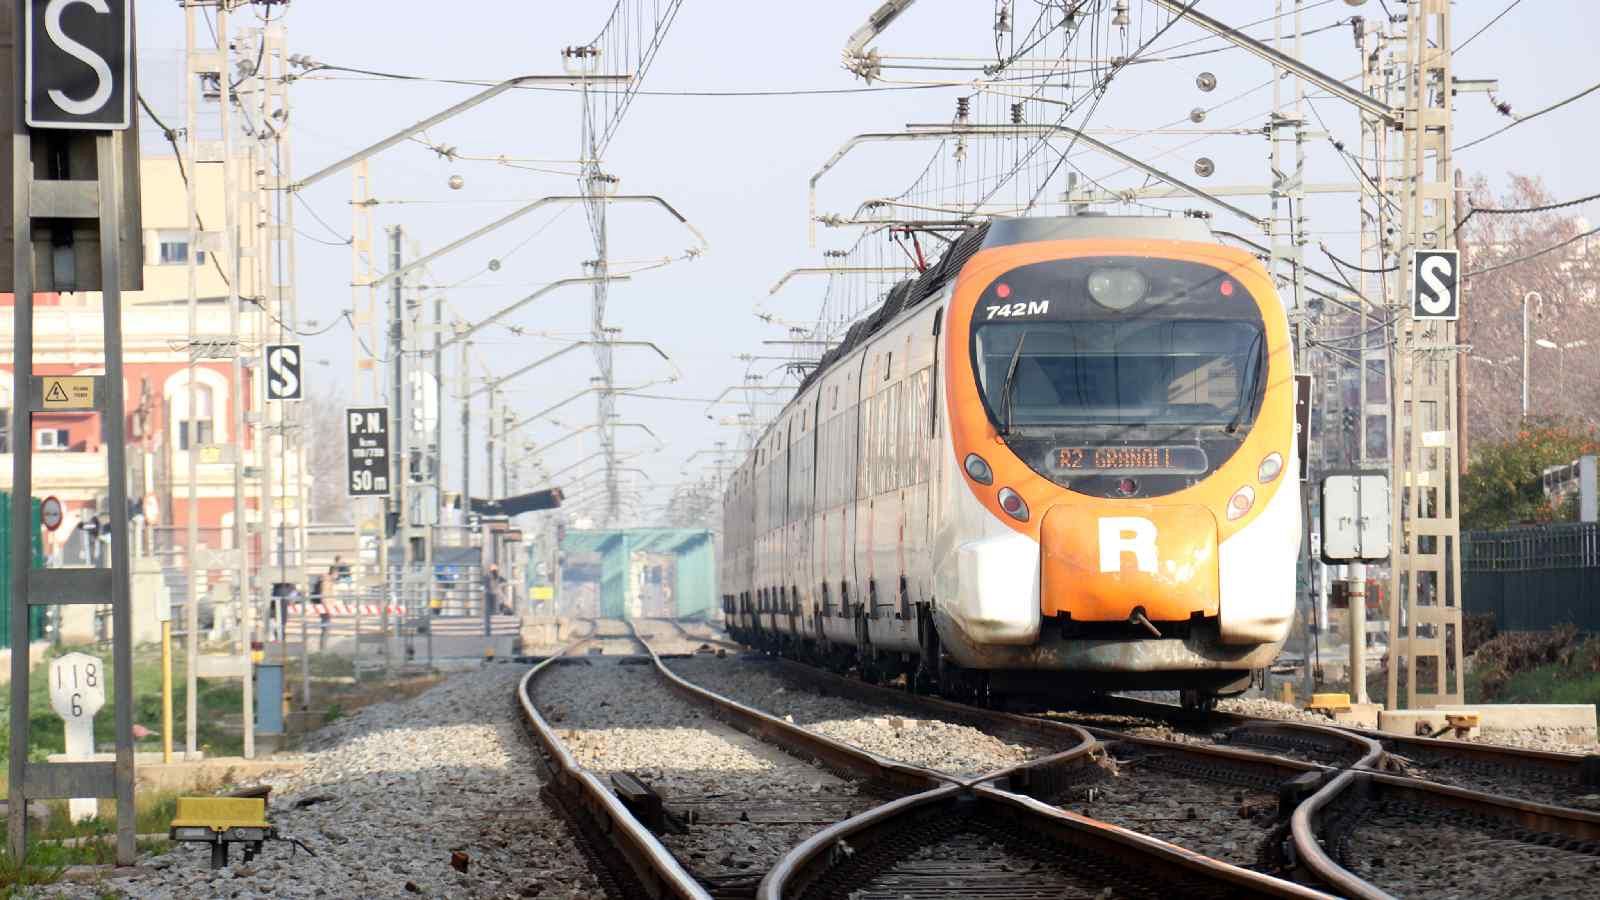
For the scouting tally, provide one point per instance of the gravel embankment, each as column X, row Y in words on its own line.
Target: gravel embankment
column 1420, row 857
column 932, row 743
column 744, row 803
column 388, row 793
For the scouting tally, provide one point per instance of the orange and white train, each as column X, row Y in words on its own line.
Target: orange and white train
column 1061, row 461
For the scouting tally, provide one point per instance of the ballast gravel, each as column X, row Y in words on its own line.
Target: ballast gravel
column 948, row 747
column 1422, row 857
column 742, row 803
column 386, row 796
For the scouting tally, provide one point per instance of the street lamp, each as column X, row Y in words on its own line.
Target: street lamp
column 1561, row 359
column 1534, row 296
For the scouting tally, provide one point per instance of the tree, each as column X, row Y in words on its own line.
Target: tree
column 323, row 432
column 1502, row 487
column 1562, row 381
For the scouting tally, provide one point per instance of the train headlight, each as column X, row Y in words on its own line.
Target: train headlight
column 978, row 469
column 1270, row 468
column 1117, row 288
column 1013, row 504
column 1241, row 501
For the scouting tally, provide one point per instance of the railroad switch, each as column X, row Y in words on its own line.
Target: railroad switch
column 1295, row 790
column 1589, row 771
column 221, row 821
column 640, row 799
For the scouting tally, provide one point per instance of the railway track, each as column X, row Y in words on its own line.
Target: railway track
column 1289, row 807
column 684, row 638
column 607, row 637
column 985, row 840
column 1374, row 836
column 1536, row 776
column 1220, row 799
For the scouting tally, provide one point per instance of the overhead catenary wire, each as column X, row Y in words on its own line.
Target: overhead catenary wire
column 1530, row 117
column 1534, row 255
column 1505, row 211
column 1463, row 45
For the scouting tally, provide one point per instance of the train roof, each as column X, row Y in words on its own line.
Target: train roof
column 1002, row 232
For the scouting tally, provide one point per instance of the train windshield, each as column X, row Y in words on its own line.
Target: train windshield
column 1118, row 373
column 1118, row 341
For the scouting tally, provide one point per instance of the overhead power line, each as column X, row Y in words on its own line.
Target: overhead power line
column 1504, row 211
column 1531, row 116
column 1534, row 255
column 1462, row 46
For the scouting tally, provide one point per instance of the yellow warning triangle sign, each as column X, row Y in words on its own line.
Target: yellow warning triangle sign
column 56, row 394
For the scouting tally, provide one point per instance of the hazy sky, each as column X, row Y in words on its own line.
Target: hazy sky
column 738, row 167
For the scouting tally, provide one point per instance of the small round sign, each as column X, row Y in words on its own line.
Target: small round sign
column 50, row 513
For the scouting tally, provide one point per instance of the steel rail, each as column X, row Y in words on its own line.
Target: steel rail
column 655, row 868
column 1047, row 826
column 1035, row 778
column 1580, row 771
column 1308, row 825
column 831, row 753
column 683, row 634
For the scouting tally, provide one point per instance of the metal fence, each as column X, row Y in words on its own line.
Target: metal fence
column 1535, row 577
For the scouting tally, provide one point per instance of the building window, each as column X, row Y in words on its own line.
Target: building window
column 175, row 249
column 51, row 439
column 202, row 419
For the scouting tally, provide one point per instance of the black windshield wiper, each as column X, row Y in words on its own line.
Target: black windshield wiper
column 1011, row 373
column 1247, row 397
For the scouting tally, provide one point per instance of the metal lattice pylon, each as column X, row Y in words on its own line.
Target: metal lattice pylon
column 1425, row 610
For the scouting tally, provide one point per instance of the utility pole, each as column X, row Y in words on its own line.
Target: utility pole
column 230, row 243
column 400, row 480
column 491, row 421
column 466, row 442
column 365, row 390
column 193, row 68
column 1425, row 613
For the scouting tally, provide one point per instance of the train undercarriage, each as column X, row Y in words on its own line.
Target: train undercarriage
column 932, row 669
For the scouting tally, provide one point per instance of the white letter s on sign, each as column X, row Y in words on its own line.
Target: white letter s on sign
column 102, row 71
column 1438, row 300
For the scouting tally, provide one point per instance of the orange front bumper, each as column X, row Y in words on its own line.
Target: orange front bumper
column 1101, row 561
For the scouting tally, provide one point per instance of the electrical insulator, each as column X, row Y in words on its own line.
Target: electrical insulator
column 963, row 105
column 1016, row 113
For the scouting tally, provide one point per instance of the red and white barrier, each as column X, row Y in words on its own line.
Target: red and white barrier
column 345, row 609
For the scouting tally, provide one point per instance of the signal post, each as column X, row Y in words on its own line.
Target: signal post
column 71, row 189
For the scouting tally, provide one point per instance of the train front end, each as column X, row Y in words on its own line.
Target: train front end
column 1122, row 416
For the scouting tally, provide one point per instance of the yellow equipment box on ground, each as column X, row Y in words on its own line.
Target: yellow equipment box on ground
column 220, row 821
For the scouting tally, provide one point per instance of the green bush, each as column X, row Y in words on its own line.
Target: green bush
column 1507, row 655
column 1501, row 486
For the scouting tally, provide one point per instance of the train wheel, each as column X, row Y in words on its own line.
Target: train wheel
column 920, row 678
column 953, row 684
column 1197, row 701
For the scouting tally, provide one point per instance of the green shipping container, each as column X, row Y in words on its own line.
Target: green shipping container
column 36, row 614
